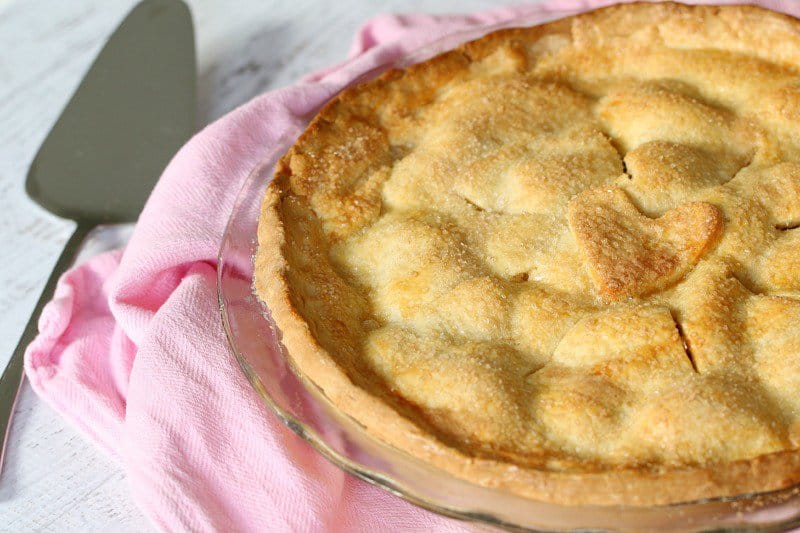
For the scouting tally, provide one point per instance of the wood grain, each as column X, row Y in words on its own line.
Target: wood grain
column 54, row 479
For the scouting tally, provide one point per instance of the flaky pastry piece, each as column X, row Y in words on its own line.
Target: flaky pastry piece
column 562, row 260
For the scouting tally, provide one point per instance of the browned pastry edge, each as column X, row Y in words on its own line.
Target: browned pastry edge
column 632, row 486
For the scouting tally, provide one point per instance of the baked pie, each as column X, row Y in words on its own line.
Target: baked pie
column 563, row 260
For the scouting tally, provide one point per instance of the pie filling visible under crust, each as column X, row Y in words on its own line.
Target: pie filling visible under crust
column 560, row 260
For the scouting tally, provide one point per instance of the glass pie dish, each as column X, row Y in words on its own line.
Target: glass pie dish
column 302, row 406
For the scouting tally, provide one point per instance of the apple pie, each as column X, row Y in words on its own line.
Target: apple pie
column 561, row 261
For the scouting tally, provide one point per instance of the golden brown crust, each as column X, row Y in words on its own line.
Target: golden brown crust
column 628, row 254
column 491, row 280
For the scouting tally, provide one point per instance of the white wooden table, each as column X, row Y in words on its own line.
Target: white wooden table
column 53, row 478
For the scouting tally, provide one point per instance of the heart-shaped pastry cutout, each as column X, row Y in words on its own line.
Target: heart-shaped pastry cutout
column 629, row 254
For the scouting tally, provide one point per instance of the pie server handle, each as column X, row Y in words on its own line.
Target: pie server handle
column 11, row 380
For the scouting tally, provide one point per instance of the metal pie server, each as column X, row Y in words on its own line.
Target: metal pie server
column 132, row 111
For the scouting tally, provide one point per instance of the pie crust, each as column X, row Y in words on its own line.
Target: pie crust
column 560, row 261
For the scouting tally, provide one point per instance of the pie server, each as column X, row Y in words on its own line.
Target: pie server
column 130, row 114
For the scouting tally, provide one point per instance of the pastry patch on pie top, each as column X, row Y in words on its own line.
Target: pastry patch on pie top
column 628, row 254
column 571, row 250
